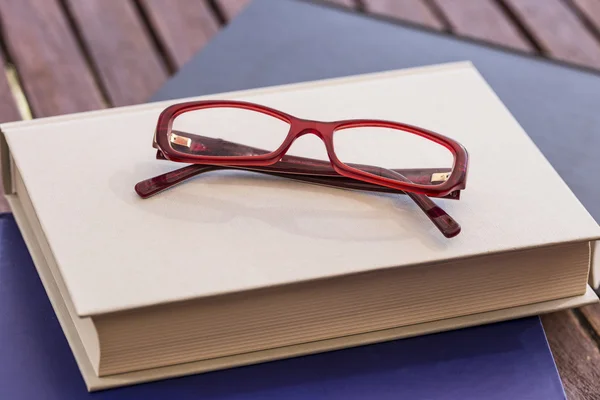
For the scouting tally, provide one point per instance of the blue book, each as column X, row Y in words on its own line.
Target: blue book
column 508, row 360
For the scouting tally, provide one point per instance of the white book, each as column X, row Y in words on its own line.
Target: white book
column 234, row 267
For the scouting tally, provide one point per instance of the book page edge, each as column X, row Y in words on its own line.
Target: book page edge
column 6, row 165
column 100, row 383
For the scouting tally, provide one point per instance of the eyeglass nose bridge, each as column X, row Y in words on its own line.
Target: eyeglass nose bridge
column 323, row 130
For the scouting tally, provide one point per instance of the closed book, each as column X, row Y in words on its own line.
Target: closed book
column 236, row 268
column 498, row 361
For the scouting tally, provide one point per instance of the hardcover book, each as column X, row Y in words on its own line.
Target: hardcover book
column 508, row 359
column 233, row 268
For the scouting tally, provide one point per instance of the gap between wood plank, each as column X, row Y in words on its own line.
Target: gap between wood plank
column 484, row 20
column 36, row 34
column 8, row 109
column 84, row 51
column 16, row 90
column 583, row 315
column 11, row 93
column 229, row 9
column 179, row 29
column 160, row 48
column 219, row 14
column 514, row 19
column 439, row 14
column 413, row 11
column 588, row 11
column 559, row 32
column 123, row 57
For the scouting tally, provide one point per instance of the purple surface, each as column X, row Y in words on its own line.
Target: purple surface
column 509, row 360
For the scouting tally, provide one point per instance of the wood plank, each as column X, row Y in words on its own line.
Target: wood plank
column 129, row 67
column 485, row 20
column 231, row 8
column 592, row 315
column 8, row 112
column 8, row 107
column 4, row 207
column 558, row 31
column 591, row 10
column 183, row 26
column 415, row 11
column 54, row 73
column 576, row 354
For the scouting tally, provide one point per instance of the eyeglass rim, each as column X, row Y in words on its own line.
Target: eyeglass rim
column 456, row 180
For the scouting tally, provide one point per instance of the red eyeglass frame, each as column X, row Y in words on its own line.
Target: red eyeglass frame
column 333, row 173
column 325, row 130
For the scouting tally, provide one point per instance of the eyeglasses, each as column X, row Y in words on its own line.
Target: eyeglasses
column 361, row 154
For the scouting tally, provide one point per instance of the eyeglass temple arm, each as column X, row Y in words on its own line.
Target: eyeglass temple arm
column 444, row 222
column 304, row 169
column 157, row 184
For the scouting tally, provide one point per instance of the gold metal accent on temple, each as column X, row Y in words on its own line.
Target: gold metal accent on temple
column 440, row 177
column 181, row 140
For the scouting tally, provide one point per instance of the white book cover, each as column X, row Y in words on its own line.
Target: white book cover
column 227, row 232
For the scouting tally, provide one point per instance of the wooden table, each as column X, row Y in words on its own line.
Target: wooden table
column 64, row 56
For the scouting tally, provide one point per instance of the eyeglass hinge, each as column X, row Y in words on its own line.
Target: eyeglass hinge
column 440, row 177
column 181, row 140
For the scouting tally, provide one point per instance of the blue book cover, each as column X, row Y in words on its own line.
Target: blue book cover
column 507, row 360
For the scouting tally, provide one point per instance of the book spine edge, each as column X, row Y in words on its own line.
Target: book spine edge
column 594, row 274
column 6, row 165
